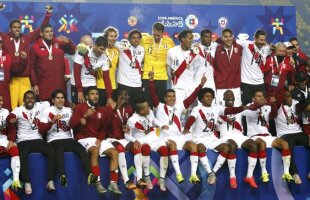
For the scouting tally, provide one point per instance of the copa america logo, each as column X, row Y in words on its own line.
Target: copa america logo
column 191, row 21
column 223, row 22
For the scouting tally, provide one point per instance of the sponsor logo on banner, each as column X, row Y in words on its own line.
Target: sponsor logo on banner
column 26, row 23
column 171, row 21
column 132, row 21
column 191, row 21
column 223, row 22
column 277, row 25
column 68, row 24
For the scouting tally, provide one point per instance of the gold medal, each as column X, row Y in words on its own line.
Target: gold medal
column 16, row 53
column 50, row 57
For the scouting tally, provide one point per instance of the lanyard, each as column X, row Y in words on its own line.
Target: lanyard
column 121, row 115
column 49, row 49
column 231, row 52
column 278, row 66
column 16, row 44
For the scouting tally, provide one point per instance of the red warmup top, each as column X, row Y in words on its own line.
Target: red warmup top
column 287, row 74
column 5, row 71
column 227, row 73
column 96, row 124
column 118, row 118
column 47, row 74
column 21, row 69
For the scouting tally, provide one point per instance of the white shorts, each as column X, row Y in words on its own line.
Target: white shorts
column 4, row 141
column 238, row 138
column 268, row 139
column 220, row 95
column 153, row 140
column 180, row 140
column 123, row 142
column 210, row 142
column 90, row 142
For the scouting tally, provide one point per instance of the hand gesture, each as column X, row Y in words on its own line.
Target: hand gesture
column 23, row 54
column 136, row 145
column 81, row 98
column 186, row 131
column 203, row 80
column 56, row 117
column 36, row 90
column 63, row 38
column 164, row 127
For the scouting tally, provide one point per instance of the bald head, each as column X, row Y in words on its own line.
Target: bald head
column 87, row 40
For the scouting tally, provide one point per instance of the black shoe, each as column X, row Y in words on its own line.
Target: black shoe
column 63, row 181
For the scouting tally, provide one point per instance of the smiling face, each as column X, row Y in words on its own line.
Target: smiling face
column 15, row 29
column 29, row 100
column 206, row 39
column 170, row 98
column 260, row 41
column 227, row 38
column 59, row 100
column 229, row 98
column 111, row 37
column 186, row 42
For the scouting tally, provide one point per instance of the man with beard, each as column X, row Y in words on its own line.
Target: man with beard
column 254, row 54
column 23, row 128
column 111, row 34
column 17, row 45
column 47, row 65
column 88, row 122
column 278, row 72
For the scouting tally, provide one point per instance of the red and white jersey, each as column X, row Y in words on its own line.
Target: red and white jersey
column 3, row 115
column 257, row 120
column 170, row 116
column 60, row 129
column 130, row 66
column 287, row 120
column 204, row 66
column 184, row 63
column 27, row 128
column 143, row 126
column 205, row 120
column 90, row 63
column 252, row 57
column 229, row 124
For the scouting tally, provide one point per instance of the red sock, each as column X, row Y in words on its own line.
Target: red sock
column 95, row 170
column 114, row 176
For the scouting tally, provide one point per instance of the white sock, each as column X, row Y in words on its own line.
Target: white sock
column 219, row 162
column 232, row 167
column 194, row 164
column 205, row 163
column 262, row 162
column 15, row 166
column 146, row 165
column 123, row 166
column 286, row 163
column 175, row 163
column 138, row 164
column 163, row 166
column 251, row 166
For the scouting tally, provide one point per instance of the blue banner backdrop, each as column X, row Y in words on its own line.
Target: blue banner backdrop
column 77, row 19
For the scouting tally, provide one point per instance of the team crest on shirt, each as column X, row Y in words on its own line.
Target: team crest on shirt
column 165, row 46
column 236, row 50
column 3, row 58
column 99, row 115
column 56, row 45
